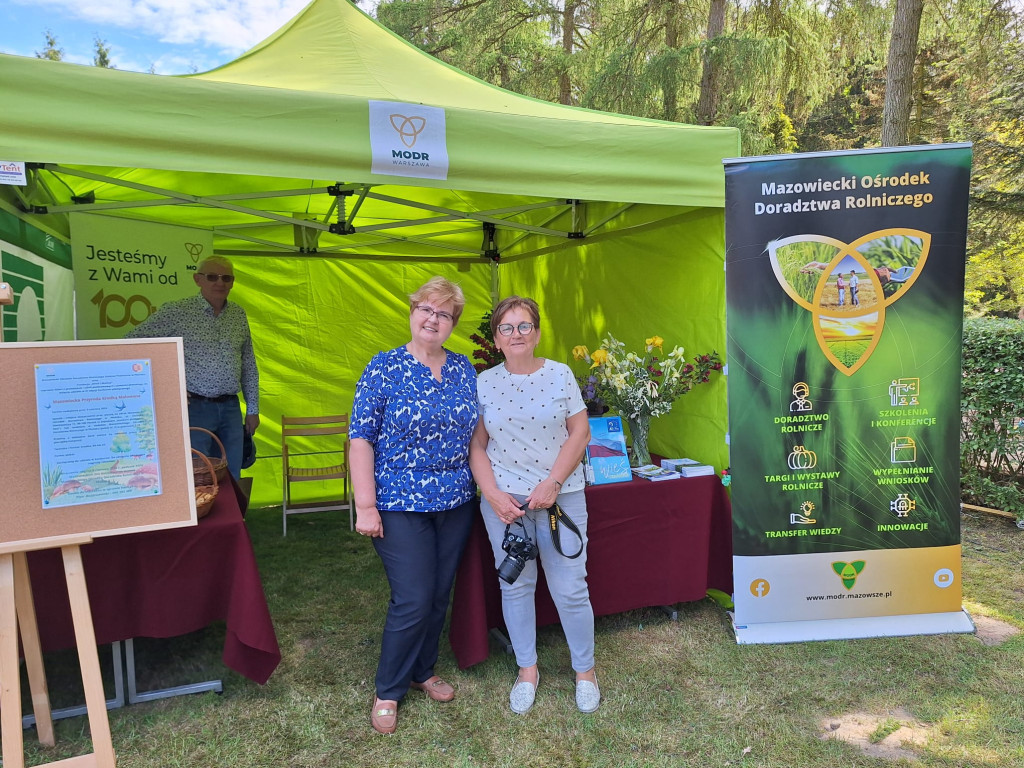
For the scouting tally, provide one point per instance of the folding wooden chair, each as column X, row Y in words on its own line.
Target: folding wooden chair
column 315, row 448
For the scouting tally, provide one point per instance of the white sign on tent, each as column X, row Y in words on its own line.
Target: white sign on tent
column 408, row 140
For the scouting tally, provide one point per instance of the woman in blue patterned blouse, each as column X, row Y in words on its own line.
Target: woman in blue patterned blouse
column 414, row 414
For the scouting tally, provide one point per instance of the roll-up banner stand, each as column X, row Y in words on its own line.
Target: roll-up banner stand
column 844, row 289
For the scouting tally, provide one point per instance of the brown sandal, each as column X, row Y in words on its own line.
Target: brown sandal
column 435, row 688
column 384, row 715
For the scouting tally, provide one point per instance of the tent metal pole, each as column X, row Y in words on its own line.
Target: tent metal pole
column 495, row 284
column 476, row 216
column 229, row 232
column 196, row 199
column 350, row 256
column 615, row 214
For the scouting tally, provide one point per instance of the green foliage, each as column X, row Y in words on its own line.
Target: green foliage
column 794, row 258
column 52, row 51
column 992, row 398
column 101, row 57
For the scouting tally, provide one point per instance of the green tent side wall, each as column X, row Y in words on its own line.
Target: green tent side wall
column 316, row 324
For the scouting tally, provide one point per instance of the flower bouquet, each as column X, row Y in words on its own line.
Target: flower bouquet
column 643, row 385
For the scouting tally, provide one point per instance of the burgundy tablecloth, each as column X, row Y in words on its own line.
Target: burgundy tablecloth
column 167, row 583
column 651, row 543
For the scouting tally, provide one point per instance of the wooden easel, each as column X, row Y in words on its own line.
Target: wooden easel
column 17, row 611
column 25, row 526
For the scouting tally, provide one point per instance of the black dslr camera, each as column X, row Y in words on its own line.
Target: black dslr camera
column 520, row 549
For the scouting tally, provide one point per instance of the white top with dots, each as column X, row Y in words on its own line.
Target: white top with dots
column 525, row 417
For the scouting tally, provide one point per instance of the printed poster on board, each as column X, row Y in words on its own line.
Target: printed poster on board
column 844, row 288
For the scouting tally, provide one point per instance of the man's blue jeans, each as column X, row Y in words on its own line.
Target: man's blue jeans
column 225, row 421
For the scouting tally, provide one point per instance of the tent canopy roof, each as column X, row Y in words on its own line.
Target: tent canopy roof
column 274, row 128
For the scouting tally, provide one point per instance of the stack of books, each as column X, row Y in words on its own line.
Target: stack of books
column 687, row 467
column 654, row 472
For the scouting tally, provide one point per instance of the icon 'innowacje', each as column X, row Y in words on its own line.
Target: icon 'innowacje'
column 847, row 287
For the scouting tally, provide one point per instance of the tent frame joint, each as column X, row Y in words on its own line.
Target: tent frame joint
column 489, row 250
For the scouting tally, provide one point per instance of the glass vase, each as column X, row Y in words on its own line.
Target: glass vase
column 639, row 428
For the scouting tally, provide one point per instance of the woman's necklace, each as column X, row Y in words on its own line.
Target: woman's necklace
column 524, row 377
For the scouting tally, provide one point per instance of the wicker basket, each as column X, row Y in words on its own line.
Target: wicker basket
column 206, row 494
column 220, row 466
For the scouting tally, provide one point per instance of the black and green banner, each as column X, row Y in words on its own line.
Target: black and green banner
column 844, row 286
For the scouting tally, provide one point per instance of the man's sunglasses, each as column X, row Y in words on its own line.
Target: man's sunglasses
column 213, row 277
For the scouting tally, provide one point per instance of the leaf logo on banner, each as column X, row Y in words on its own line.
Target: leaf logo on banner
column 847, row 287
column 848, row 572
column 194, row 250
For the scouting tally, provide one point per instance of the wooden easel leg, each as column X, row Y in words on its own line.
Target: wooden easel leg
column 10, row 674
column 32, row 649
column 85, row 637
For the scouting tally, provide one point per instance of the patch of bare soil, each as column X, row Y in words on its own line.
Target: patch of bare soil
column 993, row 631
column 858, row 728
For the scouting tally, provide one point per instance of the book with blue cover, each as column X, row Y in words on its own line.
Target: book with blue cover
column 606, row 453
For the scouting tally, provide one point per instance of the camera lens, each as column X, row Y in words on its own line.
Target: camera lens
column 510, row 569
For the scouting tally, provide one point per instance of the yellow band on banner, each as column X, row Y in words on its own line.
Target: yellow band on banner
column 831, row 585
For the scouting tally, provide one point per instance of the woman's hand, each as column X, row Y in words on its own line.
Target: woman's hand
column 544, row 495
column 368, row 522
column 504, row 505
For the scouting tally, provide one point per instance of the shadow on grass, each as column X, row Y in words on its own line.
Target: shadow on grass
column 675, row 693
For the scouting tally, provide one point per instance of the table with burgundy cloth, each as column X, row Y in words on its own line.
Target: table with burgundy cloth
column 167, row 583
column 651, row 543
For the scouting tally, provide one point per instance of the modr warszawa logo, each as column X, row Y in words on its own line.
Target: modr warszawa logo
column 408, row 128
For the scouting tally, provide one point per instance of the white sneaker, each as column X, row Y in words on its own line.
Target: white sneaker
column 522, row 696
column 588, row 696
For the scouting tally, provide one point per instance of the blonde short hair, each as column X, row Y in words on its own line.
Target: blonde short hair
column 441, row 291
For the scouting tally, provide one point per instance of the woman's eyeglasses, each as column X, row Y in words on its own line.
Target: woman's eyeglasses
column 213, row 277
column 505, row 329
column 429, row 312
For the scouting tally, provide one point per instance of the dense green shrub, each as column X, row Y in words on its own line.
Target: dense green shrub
column 991, row 405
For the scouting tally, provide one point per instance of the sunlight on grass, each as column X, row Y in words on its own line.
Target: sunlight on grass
column 676, row 694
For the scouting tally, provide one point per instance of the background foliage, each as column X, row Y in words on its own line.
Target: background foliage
column 792, row 75
column 991, row 444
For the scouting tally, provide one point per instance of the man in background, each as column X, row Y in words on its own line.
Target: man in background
column 219, row 359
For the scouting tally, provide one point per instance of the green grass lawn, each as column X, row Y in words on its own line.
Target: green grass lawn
column 675, row 693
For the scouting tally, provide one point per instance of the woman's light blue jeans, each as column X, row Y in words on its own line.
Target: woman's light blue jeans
column 567, row 582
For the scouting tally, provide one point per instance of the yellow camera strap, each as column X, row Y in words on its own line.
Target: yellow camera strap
column 557, row 517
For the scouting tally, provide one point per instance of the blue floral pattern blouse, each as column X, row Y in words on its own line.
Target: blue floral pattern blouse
column 419, row 428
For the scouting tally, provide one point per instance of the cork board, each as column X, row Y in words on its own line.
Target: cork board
column 23, row 516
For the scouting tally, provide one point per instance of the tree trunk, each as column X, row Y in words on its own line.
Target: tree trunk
column 669, row 85
column 706, row 100
column 899, row 73
column 568, row 30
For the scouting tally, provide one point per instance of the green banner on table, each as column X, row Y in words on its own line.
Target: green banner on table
column 844, row 287
column 125, row 269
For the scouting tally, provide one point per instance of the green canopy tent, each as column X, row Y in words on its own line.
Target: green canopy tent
column 613, row 223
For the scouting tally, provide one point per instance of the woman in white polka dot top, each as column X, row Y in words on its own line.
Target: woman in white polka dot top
column 525, row 455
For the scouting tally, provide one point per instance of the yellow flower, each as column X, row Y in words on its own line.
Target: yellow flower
column 654, row 341
column 599, row 357
column 580, row 352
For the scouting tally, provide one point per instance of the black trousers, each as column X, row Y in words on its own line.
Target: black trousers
column 420, row 552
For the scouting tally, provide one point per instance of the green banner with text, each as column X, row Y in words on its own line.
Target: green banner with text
column 126, row 269
column 844, row 288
